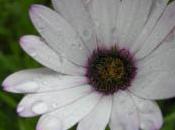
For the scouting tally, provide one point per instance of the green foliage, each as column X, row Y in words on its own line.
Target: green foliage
column 14, row 22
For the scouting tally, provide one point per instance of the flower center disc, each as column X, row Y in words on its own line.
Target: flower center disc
column 109, row 70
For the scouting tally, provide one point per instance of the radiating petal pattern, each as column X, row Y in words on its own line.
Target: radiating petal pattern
column 81, row 39
column 157, row 10
column 163, row 27
column 124, row 114
column 104, row 14
column 36, row 104
column 99, row 117
column 40, row 80
column 133, row 15
column 69, row 115
column 156, row 75
column 59, row 34
column 79, row 18
column 149, row 114
column 37, row 48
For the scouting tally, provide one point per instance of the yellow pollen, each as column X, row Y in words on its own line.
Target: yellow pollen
column 112, row 70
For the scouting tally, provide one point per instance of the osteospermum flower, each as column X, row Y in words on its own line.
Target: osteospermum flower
column 105, row 62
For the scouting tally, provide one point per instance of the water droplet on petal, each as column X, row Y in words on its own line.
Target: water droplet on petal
column 146, row 124
column 97, row 23
column 29, row 86
column 86, row 34
column 41, row 27
column 45, row 83
column 20, row 109
column 40, row 108
column 80, row 46
column 33, row 54
column 55, row 105
column 50, row 123
column 75, row 45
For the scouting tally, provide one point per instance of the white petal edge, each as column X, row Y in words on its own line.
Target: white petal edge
column 70, row 114
column 59, row 34
column 152, row 86
column 104, row 14
column 131, row 20
column 38, row 104
column 155, row 72
column 155, row 86
column 124, row 114
column 76, row 14
column 158, row 8
column 160, row 60
column 37, row 48
column 164, row 26
column 50, row 123
column 99, row 117
column 40, row 80
column 149, row 114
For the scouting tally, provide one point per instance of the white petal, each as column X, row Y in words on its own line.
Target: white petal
column 170, row 37
column 71, row 114
column 50, row 123
column 132, row 17
column 40, row 80
column 160, row 60
column 76, row 14
column 99, row 117
column 157, row 9
column 39, row 50
column 155, row 85
column 104, row 14
column 155, row 72
column 124, row 114
column 59, row 34
column 149, row 113
column 32, row 103
column 159, row 33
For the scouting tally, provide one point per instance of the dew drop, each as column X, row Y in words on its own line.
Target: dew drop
column 86, row 34
column 40, row 108
column 45, row 83
column 29, row 86
column 50, row 123
column 55, row 105
column 75, row 45
column 33, row 54
column 146, row 124
column 97, row 23
column 41, row 27
column 80, row 46
column 20, row 109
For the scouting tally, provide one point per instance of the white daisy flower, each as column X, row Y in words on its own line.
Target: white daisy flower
column 105, row 62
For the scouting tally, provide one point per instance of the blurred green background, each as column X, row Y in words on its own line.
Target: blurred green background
column 14, row 22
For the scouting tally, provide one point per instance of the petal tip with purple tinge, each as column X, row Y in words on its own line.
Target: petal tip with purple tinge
column 22, row 40
column 34, row 7
column 5, row 86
